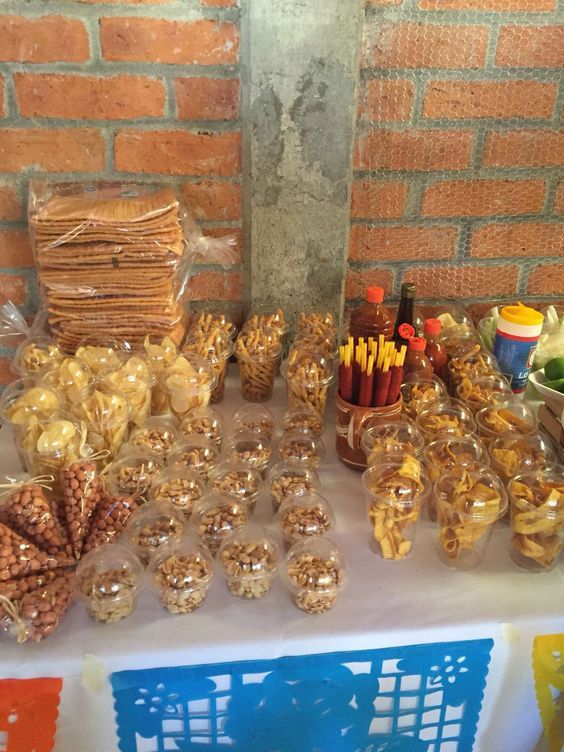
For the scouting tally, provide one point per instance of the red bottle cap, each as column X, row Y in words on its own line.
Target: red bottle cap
column 406, row 331
column 418, row 343
column 375, row 294
column 433, row 326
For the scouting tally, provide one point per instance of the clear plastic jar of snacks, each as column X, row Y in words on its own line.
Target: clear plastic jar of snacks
column 105, row 412
column 68, row 379
column 315, row 573
column 153, row 525
column 101, row 355
column 132, row 473
column 160, row 352
column 181, row 572
column 483, row 391
column 135, row 379
column 513, row 453
column 389, row 437
column 316, row 319
column 238, row 479
column 308, row 375
column 107, row 581
column 303, row 416
column 258, row 354
column 195, row 453
column 472, row 363
column 249, row 558
column 178, row 486
column 419, row 393
column 254, row 418
column 157, row 434
column 209, row 318
column 206, row 422
column 290, row 478
column 217, row 515
column 321, row 340
column 268, row 317
column 302, row 445
column 216, row 347
column 50, row 446
column 452, row 418
column 250, row 447
column 188, row 383
column 36, row 355
column 303, row 516
column 512, row 417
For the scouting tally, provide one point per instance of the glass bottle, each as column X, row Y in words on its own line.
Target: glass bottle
column 405, row 311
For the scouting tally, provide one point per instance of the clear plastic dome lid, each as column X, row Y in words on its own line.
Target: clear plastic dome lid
column 19, row 402
column 453, row 418
column 179, row 486
column 100, row 353
column 133, row 373
column 316, row 318
column 195, row 453
column 101, row 406
column 323, row 341
column 401, row 482
column 238, row 479
column 302, row 445
column 485, row 390
column 188, row 372
column 251, row 447
column 314, row 564
column 385, row 437
column 215, row 347
column 132, row 473
column 206, row 422
column 310, row 368
column 419, row 393
column 447, row 452
column 305, row 515
column 217, row 514
column 249, row 552
column 513, row 453
column 159, row 351
column 35, row 355
column 152, row 525
column 303, row 416
column 538, row 490
column 260, row 344
column 210, row 318
column 109, row 572
column 267, row 316
column 473, row 493
column 157, row 434
column 515, row 416
column 183, row 564
column 254, row 418
column 70, row 378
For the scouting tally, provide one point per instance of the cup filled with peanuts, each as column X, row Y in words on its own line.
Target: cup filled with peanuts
column 179, row 486
column 218, row 514
column 153, row 525
column 205, row 422
column 290, row 478
column 250, row 447
column 302, row 445
column 239, row 480
column 303, row 516
column 181, row 572
column 157, row 434
column 249, row 558
column 195, row 453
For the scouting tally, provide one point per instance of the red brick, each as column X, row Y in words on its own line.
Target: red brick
column 530, row 47
column 216, row 286
column 6, row 373
column 413, row 150
column 10, row 207
column 201, row 42
column 13, row 287
column 219, row 3
column 15, row 249
column 46, row 39
column 210, row 199
column 546, row 279
column 520, row 239
column 463, row 281
column 378, row 199
column 402, row 243
column 75, row 97
column 236, row 245
column 481, row 198
column 52, row 150
column 357, row 281
column 535, row 148
column 503, row 6
column 479, row 99
column 178, row 152
column 386, row 99
column 207, row 98
column 559, row 198
column 404, row 44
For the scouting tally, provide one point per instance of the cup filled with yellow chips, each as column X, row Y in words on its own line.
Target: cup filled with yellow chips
column 484, row 390
column 104, row 410
column 395, row 492
column 134, row 378
column 36, row 355
column 471, row 363
column 515, row 417
column 512, row 453
column 100, row 354
column 469, row 502
column 452, row 418
column 537, row 518
column 69, row 379
column 419, row 393
column 51, row 445
column 188, row 383
column 160, row 352
column 391, row 437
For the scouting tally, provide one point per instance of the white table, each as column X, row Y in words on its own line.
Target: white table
column 386, row 604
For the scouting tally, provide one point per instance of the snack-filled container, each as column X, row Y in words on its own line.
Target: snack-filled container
column 181, row 572
column 420, row 393
column 315, row 573
column 537, row 518
column 108, row 581
column 157, row 434
column 135, row 379
column 304, row 516
column 483, row 391
column 290, row 478
column 302, row 445
column 99, row 354
column 322, row 341
column 250, row 447
column 217, row 515
column 258, row 354
column 239, row 480
column 178, row 486
column 195, row 453
column 453, row 418
column 160, row 352
column 216, row 347
column 303, row 416
column 132, row 473
column 188, row 383
column 391, row 437
column 104, row 411
column 459, row 338
column 249, row 558
column 153, row 525
column 317, row 319
column 472, row 363
column 50, row 446
column 395, row 493
column 513, row 453
column 468, row 503
column 36, row 355
column 268, row 317
column 209, row 318
column 308, row 375
column 513, row 417
column 68, row 379
column 206, row 422
column 254, row 418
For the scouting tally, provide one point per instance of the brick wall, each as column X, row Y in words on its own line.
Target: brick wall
column 143, row 89
column 459, row 141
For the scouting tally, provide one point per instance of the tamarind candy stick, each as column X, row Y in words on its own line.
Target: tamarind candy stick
column 366, row 384
column 382, row 384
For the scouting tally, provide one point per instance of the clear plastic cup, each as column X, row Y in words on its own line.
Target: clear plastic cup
column 460, row 338
column 132, row 473
column 217, row 515
column 157, row 434
column 153, row 525
column 195, row 453
column 314, row 572
column 249, row 558
column 36, row 355
column 452, row 418
column 216, row 348
column 69, row 379
column 303, row 516
column 395, row 493
column 160, row 352
column 99, row 354
column 303, row 416
column 104, row 411
column 254, row 418
column 468, row 503
column 515, row 417
column 54, row 445
column 206, row 422
column 181, row 572
column 290, row 478
column 188, row 383
column 321, row 340
column 308, row 375
column 537, row 518
column 391, row 436
column 107, row 581
column 134, row 378
column 513, row 453
column 258, row 354
column 316, row 319
column 471, row 364
column 209, row 318
column 269, row 317
column 250, row 447
column 178, row 486
column 302, row 445
column 238, row 479
column 484, row 391
column 421, row 393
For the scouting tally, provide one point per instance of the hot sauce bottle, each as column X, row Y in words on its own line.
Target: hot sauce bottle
column 372, row 318
column 435, row 350
column 416, row 361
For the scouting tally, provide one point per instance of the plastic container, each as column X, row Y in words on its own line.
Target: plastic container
column 471, row 364
column 372, row 318
column 181, row 572
column 435, row 350
column 157, row 434
column 515, row 417
column 151, row 526
column 216, row 516
column 132, row 473
column 249, row 447
column 316, row 319
column 513, row 453
column 238, row 479
column 22, row 406
column 210, row 318
column 269, row 317
column 99, row 354
column 36, row 355
column 195, row 453
column 483, row 391
column 303, row 516
column 395, row 493
column 258, row 353
column 303, row 416
column 47, row 451
column 302, row 445
column 216, row 347
column 249, row 558
column 135, row 379
column 105, row 412
column 308, row 377
column 452, row 418
column 187, row 382
column 178, row 486
column 518, row 330
column 420, row 393
column 314, row 572
column 254, row 418
column 416, row 362
column 205, row 422
column 290, row 478
column 391, row 437
column 108, row 581
column 68, row 379
column 468, row 504
column 322, row 341
column 160, row 353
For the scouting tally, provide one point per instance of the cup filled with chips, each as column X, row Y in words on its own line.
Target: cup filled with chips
column 258, row 352
column 99, row 354
column 308, row 375
column 513, row 453
column 452, row 418
column 188, row 383
column 484, row 390
column 69, row 379
column 515, row 417
column 36, row 355
column 160, row 353
column 419, row 393
column 209, row 319
column 50, row 445
column 471, row 363
column 104, row 411
column 397, row 437
column 135, row 379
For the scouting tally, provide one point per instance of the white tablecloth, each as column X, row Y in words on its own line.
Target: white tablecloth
column 385, row 604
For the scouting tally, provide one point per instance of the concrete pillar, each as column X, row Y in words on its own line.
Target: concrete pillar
column 301, row 65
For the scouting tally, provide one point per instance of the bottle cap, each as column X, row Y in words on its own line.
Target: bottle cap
column 408, row 290
column 418, row 343
column 433, row 326
column 406, row 331
column 522, row 314
column 375, row 294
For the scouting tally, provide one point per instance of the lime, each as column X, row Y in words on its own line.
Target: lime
column 557, row 385
column 554, row 369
